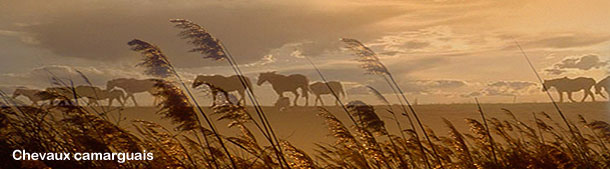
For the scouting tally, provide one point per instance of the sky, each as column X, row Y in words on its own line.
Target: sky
column 440, row 51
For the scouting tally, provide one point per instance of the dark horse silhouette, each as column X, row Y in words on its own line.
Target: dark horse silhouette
column 603, row 84
column 568, row 86
column 283, row 83
column 227, row 84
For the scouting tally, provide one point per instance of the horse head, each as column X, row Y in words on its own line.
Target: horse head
column 265, row 76
column 204, row 79
column 112, row 83
column 198, row 81
column 17, row 92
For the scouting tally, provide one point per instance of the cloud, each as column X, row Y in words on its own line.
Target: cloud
column 572, row 40
column 584, row 63
column 423, row 87
column 250, row 30
column 505, row 88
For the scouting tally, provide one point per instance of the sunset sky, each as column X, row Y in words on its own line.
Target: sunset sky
column 441, row 51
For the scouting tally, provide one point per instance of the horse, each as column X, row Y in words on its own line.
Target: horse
column 132, row 86
column 571, row 85
column 110, row 95
column 64, row 94
column 283, row 83
column 93, row 94
column 227, row 84
column 603, row 84
column 320, row 88
column 34, row 95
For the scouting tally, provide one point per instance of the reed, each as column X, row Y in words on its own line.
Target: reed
column 212, row 48
column 371, row 63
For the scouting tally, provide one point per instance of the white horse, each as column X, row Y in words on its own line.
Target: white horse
column 283, row 83
column 568, row 86
column 320, row 88
column 132, row 86
column 227, row 84
column 34, row 95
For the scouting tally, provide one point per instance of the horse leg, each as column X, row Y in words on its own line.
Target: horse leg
column 336, row 102
column 296, row 97
column 305, row 92
column 592, row 95
column 214, row 93
column 133, row 99
column 570, row 96
column 95, row 102
column 242, row 94
column 321, row 100
column 560, row 96
column 585, row 96
column 280, row 95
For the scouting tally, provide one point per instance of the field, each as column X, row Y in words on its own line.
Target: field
column 313, row 137
column 302, row 127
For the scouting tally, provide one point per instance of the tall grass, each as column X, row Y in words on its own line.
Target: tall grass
column 212, row 48
column 490, row 143
column 517, row 144
column 371, row 63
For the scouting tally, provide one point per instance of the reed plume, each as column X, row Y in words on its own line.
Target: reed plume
column 212, row 48
column 298, row 158
column 366, row 117
column 204, row 42
column 175, row 105
column 337, row 129
column 371, row 63
column 164, row 64
column 154, row 60
column 368, row 59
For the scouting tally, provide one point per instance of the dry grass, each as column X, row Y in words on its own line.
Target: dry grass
column 364, row 144
column 518, row 145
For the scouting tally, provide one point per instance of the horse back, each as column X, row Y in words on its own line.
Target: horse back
column 299, row 79
column 585, row 81
column 236, row 82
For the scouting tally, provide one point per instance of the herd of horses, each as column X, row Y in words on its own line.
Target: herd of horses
column 122, row 89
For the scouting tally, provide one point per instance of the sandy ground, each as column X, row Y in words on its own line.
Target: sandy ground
column 302, row 127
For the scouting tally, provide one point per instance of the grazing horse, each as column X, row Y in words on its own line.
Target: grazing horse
column 605, row 84
column 290, row 83
column 227, row 84
column 34, row 95
column 132, row 86
column 571, row 85
column 320, row 88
